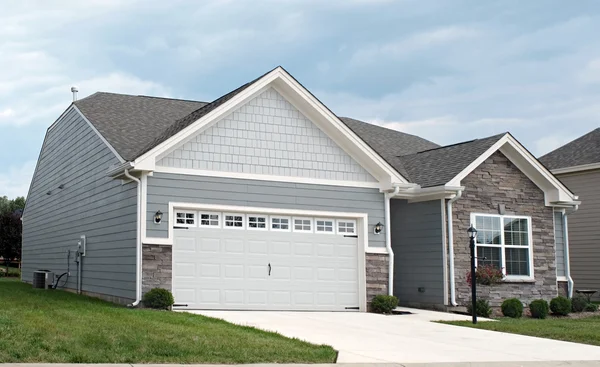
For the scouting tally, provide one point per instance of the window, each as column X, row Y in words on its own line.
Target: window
column 258, row 222
column 302, row 225
column 324, row 226
column 186, row 219
column 235, row 221
column 505, row 242
column 346, row 227
column 280, row 224
column 209, row 219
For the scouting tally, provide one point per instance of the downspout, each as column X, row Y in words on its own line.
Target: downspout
column 451, row 247
column 388, row 239
column 567, row 260
column 138, row 245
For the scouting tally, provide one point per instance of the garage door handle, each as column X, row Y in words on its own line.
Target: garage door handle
column 269, row 269
column 351, row 235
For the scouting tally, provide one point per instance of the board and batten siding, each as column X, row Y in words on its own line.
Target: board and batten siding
column 163, row 188
column 417, row 241
column 90, row 204
column 559, row 240
column 584, row 229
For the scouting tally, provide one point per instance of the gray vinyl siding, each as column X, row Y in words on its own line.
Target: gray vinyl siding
column 417, row 241
column 90, row 204
column 559, row 239
column 167, row 187
column 584, row 230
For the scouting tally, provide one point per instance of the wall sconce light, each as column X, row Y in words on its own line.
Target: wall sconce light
column 378, row 227
column 158, row 217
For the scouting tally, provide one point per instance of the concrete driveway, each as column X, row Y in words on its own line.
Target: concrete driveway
column 372, row 338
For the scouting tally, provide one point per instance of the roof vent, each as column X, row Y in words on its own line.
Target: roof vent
column 74, row 90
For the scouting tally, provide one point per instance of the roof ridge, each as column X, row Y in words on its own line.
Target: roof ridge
column 171, row 99
column 460, row 143
column 385, row 128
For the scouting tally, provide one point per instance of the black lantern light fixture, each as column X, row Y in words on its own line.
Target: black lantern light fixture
column 158, row 217
column 472, row 235
column 378, row 227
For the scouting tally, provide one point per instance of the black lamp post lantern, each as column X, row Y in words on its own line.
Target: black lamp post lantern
column 472, row 234
column 158, row 217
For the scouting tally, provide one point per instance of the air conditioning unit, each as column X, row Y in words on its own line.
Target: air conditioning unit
column 43, row 279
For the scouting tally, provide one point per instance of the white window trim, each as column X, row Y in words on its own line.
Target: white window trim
column 289, row 219
column 209, row 213
column 185, row 224
column 266, row 217
column 312, row 225
column 333, row 225
column 243, row 215
column 502, row 246
column 354, row 229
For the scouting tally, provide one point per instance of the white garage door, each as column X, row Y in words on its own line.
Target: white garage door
column 259, row 262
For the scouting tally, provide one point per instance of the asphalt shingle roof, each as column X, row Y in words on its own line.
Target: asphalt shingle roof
column 131, row 122
column 584, row 150
column 438, row 166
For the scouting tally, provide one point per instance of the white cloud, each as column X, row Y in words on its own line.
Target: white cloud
column 591, row 73
column 548, row 143
column 7, row 112
column 15, row 181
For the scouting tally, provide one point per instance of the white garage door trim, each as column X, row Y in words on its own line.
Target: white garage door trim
column 361, row 225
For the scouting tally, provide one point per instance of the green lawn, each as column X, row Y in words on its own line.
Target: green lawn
column 57, row 326
column 585, row 330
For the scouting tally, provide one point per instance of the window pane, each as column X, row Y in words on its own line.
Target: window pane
column 492, row 256
column 516, row 232
column 488, row 230
column 517, row 261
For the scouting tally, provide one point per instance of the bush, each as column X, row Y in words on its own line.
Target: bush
column 158, row 298
column 539, row 309
column 384, row 303
column 486, row 275
column 578, row 303
column 560, row 306
column 591, row 307
column 482, row 308
column 512, row 307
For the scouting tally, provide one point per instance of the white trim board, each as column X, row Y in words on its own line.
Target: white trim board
column 280, row 80
column 580, row 168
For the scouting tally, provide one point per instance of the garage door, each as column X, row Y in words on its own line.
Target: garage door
column 250, row 261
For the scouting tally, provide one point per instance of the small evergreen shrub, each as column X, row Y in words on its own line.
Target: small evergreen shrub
column 591, row 307
column 158, row 298
column 578, row 304
column 482, row 308
column 512, row 307
column 539, row 309
column 560, row 306
column 384, row 304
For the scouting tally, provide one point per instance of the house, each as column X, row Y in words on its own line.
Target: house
column 577, row 165
column 265, row 199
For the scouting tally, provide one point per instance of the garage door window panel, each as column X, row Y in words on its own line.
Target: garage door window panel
column 346, row 227
column 257, row 222
column 233, row 220
column 208, row 219
column 325, row 226
column 185, row 218
column 303, row 225
column 281, row 224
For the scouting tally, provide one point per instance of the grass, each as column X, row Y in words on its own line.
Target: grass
column 12, row 272
column 584, row 330
column 55, row 326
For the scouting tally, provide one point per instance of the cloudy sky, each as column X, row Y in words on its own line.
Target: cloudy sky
column 447, row 70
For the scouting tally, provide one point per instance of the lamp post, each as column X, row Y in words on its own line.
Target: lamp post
column 472, row 234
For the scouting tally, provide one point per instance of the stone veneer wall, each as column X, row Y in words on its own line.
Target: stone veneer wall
column 157, row 267
column 498, row 181
column 377, row 270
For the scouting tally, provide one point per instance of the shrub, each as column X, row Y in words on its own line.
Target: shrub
column 591, row 307
column 539, row 309
column 384, row 303
column 512, row 307
column 560, row 306
column 578, row 303
column 486, row 275
column 482, row 308
column 158, row 298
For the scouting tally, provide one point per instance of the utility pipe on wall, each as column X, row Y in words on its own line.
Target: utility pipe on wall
column 138, row 250
column 388, row 239
column 451, row 247
column 570, row 281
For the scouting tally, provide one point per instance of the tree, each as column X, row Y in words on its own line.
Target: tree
column 10, row 228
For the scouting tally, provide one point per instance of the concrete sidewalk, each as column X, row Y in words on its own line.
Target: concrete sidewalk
column 459, row 364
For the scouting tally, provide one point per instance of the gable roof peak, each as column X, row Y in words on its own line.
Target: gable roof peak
column 581, row 151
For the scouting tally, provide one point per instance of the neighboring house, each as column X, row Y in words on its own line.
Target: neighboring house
column 265, row 199
column 577, row 165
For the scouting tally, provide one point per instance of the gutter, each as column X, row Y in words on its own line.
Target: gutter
column 451, row 247
column 138, row 245
column 567, row 256
column 388, row 239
